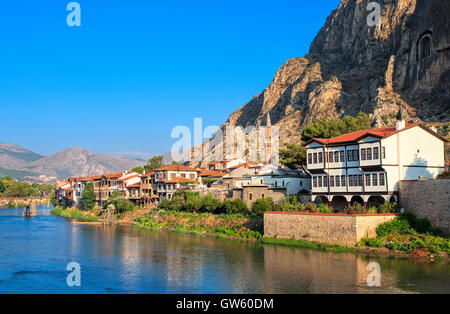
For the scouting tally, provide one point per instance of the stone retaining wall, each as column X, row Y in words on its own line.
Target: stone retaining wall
column 342, row 229
column 428, row 199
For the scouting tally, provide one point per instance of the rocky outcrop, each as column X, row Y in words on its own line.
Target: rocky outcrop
column 67, row 163
column 80, row 162
column 404, row 62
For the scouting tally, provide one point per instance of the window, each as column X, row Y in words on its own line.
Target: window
column 382, row 179
column 320, row 158
column 338, row 183
column 342, row 156
column 384, row 152
column 320, row 181
column 368, row 179
column 369, row 154
column 331, row 157
column 250, row 196
column 309, row 159
column 355, row 155
column 350, row 180
column 315, row 182
column 262, row 195
column 315, row 158
column 376, row 155
column 325, row 181
column 360, row 180
column 336, row 156
column 363, row 154
column 349, row 155
column 332, row 181
column 343, row 180
column 375, row 180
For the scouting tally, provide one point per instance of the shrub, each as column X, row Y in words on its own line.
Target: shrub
column 165, row 204
column 387, row 207
column 210, row 204
column 372, row 210
column 399, row 225
column 262, row 205
column 376, row 243
column 311, row 207
column 193, row 203
column 235, row 206
column 325, row 209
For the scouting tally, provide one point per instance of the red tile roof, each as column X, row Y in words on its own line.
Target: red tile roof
column 176, row 168
column 137, row 185
column 212, row 173
column 355, row 136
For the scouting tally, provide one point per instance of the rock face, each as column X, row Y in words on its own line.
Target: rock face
column 80, row 162
column 404, row 62
column 14, row 156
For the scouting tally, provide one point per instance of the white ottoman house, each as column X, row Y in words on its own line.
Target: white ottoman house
column 366, row 166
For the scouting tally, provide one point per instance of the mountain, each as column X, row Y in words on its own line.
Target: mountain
column 14, row 157
column 351, row 67
column 19, row 162
column 80, row 162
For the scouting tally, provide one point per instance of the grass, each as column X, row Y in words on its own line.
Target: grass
column 73, row 214
column 308, row 245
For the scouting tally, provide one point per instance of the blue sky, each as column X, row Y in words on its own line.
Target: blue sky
column 135, row 69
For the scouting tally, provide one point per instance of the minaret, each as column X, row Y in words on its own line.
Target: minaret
column 268, row 139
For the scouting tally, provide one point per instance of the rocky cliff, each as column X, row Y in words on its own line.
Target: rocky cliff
column 404, row 62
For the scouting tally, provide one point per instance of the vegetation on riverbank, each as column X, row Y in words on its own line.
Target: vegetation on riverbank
column 12, row 204
column 222, row 225
column 411, row 235
column 90, row 216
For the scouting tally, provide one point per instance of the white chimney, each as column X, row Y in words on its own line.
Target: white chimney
column 400, row 125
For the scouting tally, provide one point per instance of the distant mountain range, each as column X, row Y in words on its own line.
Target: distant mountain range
column 20, row 162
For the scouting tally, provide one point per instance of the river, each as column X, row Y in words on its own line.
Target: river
column 34, row 254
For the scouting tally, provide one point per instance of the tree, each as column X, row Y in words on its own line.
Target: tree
column 235, row 206
column 323, row 128
column 89, row 197
column 294, row 156
column 2, row 187
column 154, row 163
column 210, row 204
column 260, row 206
column 138, row 170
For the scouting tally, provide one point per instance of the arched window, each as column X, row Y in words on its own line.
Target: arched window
column 424, row 45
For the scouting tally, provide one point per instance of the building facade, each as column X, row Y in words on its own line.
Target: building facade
column 366, row 166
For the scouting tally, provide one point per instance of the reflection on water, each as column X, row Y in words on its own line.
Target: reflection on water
column 34, row 253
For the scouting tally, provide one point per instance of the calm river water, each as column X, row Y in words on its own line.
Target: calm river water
column 34, row 254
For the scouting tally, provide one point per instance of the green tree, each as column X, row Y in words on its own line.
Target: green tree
column 328, row 128
column 294, row 156
column 154, row 163
column 235, row 206
column 210, row 204
column 138, row 170
column 89, row 197
column 260, row 206
column 2, row 187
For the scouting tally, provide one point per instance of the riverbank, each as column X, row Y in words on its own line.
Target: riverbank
column 71, row 213
column 250, row 228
